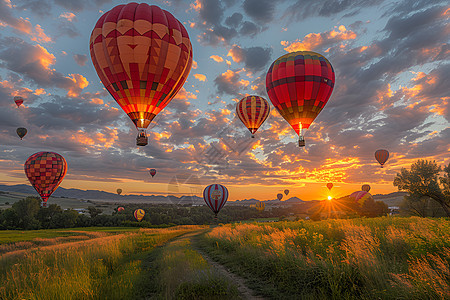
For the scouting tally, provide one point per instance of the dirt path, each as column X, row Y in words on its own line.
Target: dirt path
column 246, row 292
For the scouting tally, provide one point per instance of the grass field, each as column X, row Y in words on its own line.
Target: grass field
column 381, row 258
column 103, row 264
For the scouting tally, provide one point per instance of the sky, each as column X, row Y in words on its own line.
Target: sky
column 392, row 91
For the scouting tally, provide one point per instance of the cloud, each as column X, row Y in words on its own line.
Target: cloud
column 200, row 77
column 229, row 83
column 7, row 18
column 254, row 58
column 80, row 59
column 34, row 62
column 216, row 58
column 249, row 29
column 234, row 20
column 261, row 11
column 68, row 16
column 78, row 6
column 39, row 35
column 313, row 41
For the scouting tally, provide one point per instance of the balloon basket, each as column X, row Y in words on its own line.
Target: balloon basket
column 141, row 139
column 301, row 142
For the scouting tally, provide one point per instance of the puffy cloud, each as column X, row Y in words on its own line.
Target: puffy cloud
column 261, row 11
column 80, row 59
column 254, row 58
column 228, row 82
column 249, row 29
column 68, row 16
column 34, row 62
column 234, row 20
column 216, row 58
column 313, row 41
column 39, row 35
column 200, row 77
column 7, row 18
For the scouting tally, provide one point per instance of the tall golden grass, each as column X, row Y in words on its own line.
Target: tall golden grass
column 404, row 258
column 104, row 267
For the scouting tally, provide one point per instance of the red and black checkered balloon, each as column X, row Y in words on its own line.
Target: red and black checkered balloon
column 143, row 56
column 299, row 85
column 45, row 171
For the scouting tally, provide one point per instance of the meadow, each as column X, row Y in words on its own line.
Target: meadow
column 379, row 258
column 79, row 264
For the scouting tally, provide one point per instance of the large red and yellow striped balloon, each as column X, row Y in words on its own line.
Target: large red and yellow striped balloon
column 299, row 85
column 215, row 196
column 143, row 56
column 381, row 156
column 253, row 111
column 45, row 171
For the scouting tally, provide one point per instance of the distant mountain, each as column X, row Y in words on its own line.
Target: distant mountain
column 105, row 196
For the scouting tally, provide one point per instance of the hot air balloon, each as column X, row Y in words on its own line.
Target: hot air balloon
column 215, row 196
column 329, row 186
column 286, row 192
column 381, row 156
column 299, row 85
column 360, row 196
column 45, row 171
column 365, row 188
column 119, row 191
column 152, row 172
column 18, row 100
column 280, row 196
column 260, row 206
column 252, row 111
column 21, row 132
column 119, row 209
column 139, row 214
column 143, row 56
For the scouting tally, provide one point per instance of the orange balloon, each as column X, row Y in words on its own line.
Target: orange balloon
column 143, row 56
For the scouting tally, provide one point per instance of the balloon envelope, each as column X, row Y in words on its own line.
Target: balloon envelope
column 329, row 186
column 286, row 192
column 21, row 132
column 260, row 206
column 139, row 214
column 143, row 56
column 252, row 111
column 18, row 100
column 119, row 191
column 279, row 196
column 360, row 196
column 215, row 196
column 381, row 156
column 45, row 171
column 299, row 85
column 365, row 187
column 153, row 172
column 120, row 208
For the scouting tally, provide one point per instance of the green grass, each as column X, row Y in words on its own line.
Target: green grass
column 108, row 267
column 178, row 271
column 381, row 258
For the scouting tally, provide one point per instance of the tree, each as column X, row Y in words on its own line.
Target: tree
column 422, row 181
column 27, row 210
column 93, row 212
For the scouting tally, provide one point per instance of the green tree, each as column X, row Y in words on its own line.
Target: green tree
column 93, row 212
column 27, row 210
column 422, row 181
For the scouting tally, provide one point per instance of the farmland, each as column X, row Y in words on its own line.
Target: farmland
column 378, row 258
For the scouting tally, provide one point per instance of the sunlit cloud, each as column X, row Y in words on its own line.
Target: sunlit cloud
column 216, row 58
column 200, row 77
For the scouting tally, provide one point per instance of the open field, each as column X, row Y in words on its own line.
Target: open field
column 380, row 258
column 103, row 264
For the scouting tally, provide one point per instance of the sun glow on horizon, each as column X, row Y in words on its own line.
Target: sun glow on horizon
column 329, row 198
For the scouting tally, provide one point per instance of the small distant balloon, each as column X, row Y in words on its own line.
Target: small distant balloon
column 286, row 192
column 260, row 206
column 45, row 171
column 329, row 186
column 119, row 191
column 139, row 214
column 153, row 172
column 120, row 209
column 18, row 100
column 280, row 196
column 215, row 196
column 365, row 188
column 381, row 156
column 21, row 132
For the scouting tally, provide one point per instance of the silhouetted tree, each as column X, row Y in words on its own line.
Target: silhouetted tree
column 422, row 181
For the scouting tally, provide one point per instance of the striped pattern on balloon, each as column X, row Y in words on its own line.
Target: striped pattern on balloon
column 215, row 196
column 252, row 111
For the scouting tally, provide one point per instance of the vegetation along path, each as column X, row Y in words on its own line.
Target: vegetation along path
column 182, row 271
